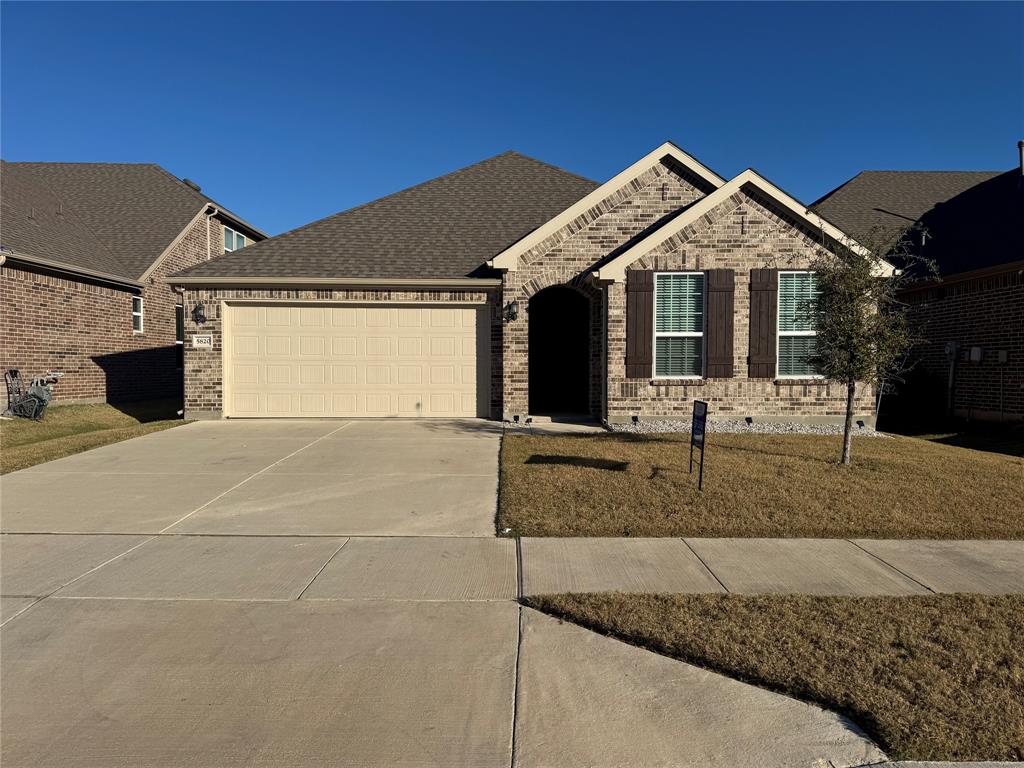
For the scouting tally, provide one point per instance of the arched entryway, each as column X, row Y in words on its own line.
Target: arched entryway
column 559, row 319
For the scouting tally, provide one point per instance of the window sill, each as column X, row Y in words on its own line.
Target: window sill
column 802, row 381
column 678, row 382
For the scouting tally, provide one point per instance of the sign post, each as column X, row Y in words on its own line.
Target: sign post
column 700, row 420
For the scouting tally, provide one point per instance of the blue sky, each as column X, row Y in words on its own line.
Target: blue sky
column 289, row 112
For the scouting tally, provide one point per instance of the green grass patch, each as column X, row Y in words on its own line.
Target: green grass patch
column 69, row 429
column 619, row 484
column 936, row 677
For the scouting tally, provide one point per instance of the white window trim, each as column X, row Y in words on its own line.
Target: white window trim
column 656, row 334
column 234, row 234
column 140, row 314
column 779, row 333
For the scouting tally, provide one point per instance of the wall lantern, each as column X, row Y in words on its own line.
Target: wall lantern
column 512, row 311
column 199, row 314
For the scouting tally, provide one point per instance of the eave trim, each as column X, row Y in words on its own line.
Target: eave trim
column 16, row 257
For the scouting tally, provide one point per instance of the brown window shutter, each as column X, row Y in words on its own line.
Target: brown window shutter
column 721, row 288
column 764, row 302
column 639, row 324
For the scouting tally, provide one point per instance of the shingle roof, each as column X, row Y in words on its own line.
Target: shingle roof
column 34, row 221
column 440, row 229
column 972, row 218
column 133, row 210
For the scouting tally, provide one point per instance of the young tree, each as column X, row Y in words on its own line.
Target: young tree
column 863, row 330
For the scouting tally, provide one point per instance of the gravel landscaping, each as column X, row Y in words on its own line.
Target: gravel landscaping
column 731, row 426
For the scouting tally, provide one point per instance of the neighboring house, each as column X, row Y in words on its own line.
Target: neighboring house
column 512, row 287
column 971, row 224
column 85, row 248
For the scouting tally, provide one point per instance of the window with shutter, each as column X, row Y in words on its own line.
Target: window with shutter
column 679, row 325
column 797, row 335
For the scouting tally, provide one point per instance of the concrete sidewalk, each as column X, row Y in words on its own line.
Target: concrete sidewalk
column 772, row 566
column 175, row 649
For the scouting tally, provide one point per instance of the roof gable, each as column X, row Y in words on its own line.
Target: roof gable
column 615, row 270
column 509, row 258
column 445, row 228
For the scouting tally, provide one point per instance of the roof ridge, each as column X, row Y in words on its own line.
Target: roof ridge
column 394, row 194
column 546, row 165
column 194, row 192
column 68, row 210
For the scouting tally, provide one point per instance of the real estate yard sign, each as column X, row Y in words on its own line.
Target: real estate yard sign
column 700, row 421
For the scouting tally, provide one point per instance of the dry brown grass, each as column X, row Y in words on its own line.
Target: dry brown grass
column 937, row 677
column 757, row 486
column 70, row 429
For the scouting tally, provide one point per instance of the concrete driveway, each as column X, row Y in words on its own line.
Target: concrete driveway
column 386, row 478
column 210, row 596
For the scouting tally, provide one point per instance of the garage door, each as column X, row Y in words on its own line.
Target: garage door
column 306, row 361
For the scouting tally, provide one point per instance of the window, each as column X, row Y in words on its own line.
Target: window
column 179, row 335
column 137, row 314
column 797, row 324
column 233, row 240
column 679, row 325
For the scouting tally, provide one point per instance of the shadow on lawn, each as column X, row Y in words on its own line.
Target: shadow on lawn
column 609, row 465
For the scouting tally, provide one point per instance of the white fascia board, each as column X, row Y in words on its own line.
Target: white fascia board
column 615, row 270
column 509, row 258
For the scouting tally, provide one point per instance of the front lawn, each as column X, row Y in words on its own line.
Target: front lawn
column 69, row 429
column 936, row 677
column 621, row 484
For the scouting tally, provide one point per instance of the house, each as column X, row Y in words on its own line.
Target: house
column 513, row 287
column 970, row 361
column 85, row 248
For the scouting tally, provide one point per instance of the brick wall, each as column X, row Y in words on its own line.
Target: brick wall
column 568, row 256
column 204, row 384
column 740, row 234
column 985, row 312
column 53, row 322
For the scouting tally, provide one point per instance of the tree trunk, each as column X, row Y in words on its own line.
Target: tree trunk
column 851, row 391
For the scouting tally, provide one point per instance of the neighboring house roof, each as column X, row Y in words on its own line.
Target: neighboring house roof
column 972, row 218
column 133, row 212
column 34, row 221
column 446, row 228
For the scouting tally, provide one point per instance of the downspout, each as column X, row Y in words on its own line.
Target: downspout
column 214, row 210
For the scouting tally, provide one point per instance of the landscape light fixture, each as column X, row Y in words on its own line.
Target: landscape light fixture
column 860, row 423
column 636, row 420
column 749, row 420
column 199, row 314
column 512, row 311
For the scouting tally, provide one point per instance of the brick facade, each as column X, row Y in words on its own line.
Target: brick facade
column 52, row 321
column 204, row 383
column 986, row 312
column 740, row 234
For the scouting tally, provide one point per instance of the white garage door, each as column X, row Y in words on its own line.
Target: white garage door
column 374, row 360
